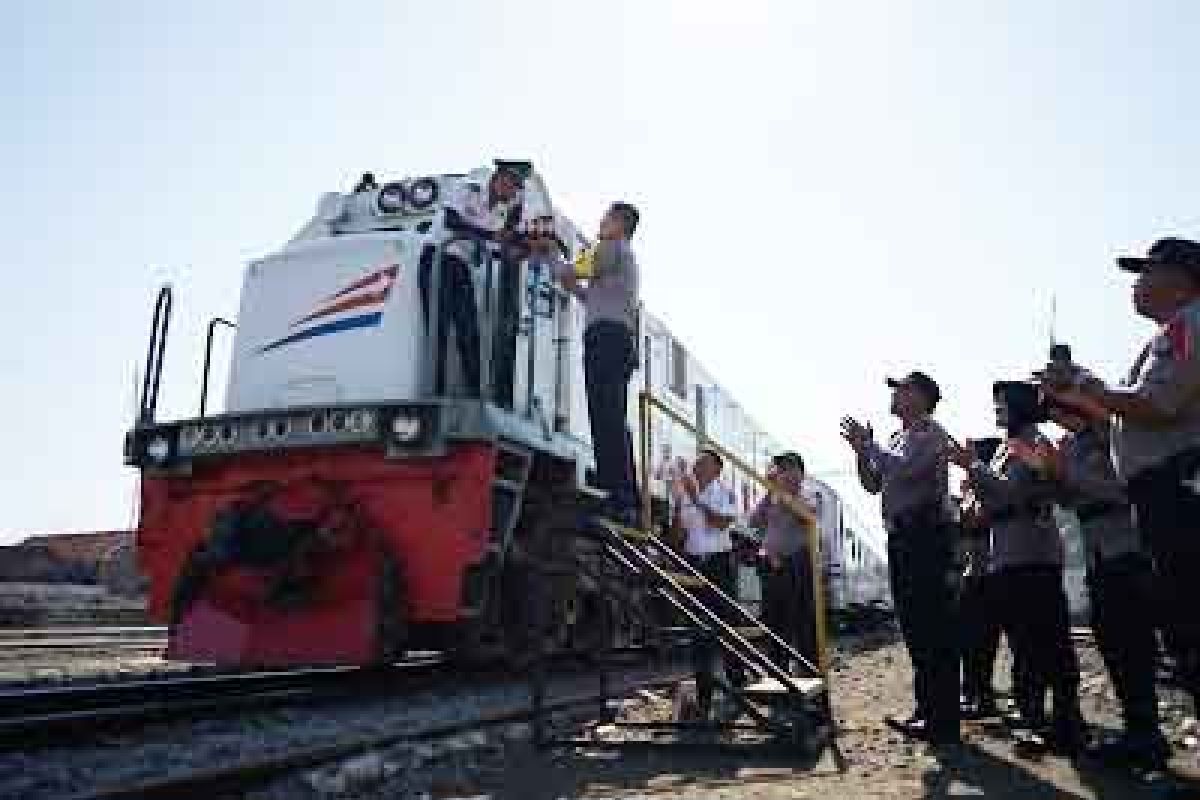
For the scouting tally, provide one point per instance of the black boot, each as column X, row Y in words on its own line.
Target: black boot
column 1139, row 750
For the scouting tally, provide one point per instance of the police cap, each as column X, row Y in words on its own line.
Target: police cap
column 1183, row 254
column 922, row 383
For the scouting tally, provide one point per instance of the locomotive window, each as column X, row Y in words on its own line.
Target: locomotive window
column 678, row 368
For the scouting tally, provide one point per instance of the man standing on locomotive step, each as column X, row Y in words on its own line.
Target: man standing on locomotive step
column 610, row 300
column 1156, row 437
column 480, row 208
column 912, row 473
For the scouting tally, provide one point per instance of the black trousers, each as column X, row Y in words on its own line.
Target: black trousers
column 721, row 570
column 922, row 572
column 1035, row 618
column 788, row 608
column 608, row 364
column 980, row 627
column 457, row 308
column 1167, row 512
column 1120, row 591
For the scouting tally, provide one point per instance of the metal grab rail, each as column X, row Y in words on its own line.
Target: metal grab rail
column 154, row 355
column 208, row 343
column 488, row 312
column 648, row 403
column 433, row 310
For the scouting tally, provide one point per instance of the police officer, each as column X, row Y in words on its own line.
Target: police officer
column 787, row 603
column 980, row 623
column 912, row 475
column 1118, row 579
column 610, row 300
column 478, row 206
column 1156, row 438
column 1016, row 492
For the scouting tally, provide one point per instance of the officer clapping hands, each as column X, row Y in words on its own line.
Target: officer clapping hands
column 856, row 433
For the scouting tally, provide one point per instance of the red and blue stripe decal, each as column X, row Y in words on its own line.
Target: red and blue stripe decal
column 366, row 294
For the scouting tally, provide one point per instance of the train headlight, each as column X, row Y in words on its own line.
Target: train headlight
column 405, row 428
column 390, row 199
column 422, row 193
column 158, row 450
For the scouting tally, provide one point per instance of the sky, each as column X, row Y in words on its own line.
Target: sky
column 831, row 192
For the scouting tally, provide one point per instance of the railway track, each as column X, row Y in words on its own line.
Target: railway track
column 34, row 716
column 564, row 695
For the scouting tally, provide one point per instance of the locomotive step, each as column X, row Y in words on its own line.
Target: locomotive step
column 810, row 688
column 686, row 579
column 751, row 632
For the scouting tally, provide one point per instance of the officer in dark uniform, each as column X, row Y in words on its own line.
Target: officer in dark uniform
column 1119, row 583
column 1156, row 438
column 1017, row 492
column 912, row 475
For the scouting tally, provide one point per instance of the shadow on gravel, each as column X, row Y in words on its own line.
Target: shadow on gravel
column 974, row 772
column 664, row 774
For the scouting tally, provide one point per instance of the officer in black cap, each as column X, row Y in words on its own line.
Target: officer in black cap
column 1156, row 437
column 912, row 474
column 1119, row 582
column 1017, row 491
column 478, row 207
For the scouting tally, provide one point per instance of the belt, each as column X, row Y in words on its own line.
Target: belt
column 924, row 517
column 707, row 556
column 1091, row 511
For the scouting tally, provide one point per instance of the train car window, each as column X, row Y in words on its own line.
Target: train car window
column 679, row 382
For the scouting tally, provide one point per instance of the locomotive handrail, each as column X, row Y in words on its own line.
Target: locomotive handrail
column 647, row 404
column 208, row 343
column 433, row 320
column 488, row 310
column 159, row 327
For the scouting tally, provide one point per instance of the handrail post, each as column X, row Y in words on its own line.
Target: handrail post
column 793, row 503
column 208, row 343
column 646, row 431
column 159, row 326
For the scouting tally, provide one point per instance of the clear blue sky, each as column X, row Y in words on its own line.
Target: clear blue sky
column 831, row 191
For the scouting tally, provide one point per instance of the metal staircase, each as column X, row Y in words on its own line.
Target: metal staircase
column 784, row 710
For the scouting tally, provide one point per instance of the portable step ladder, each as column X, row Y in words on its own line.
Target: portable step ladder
column 792, row 712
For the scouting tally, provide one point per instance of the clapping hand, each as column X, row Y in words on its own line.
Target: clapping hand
column 961, row 455
column 857, row 434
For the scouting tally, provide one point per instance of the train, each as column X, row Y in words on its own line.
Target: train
column 342, row 508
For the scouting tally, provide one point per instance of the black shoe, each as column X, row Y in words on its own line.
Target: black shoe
column 1028, row 743
column 944, row 737
column 1068, row 736
column 977, row 710
column 914, row 727
column 1142, row 751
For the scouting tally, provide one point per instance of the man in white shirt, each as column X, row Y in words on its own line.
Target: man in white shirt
column 476, row 206
column 704, row 510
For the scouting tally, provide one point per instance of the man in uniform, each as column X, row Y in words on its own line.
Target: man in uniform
column 912, row 473
column 480, row 206
column 1016, row 493
column 1119, row 582
column 788, row 607
column 610, row 300
column 1156, row 437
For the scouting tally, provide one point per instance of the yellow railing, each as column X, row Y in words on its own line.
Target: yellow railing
column 648, row 404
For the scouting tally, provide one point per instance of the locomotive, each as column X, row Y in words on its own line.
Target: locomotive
column 342, row 509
